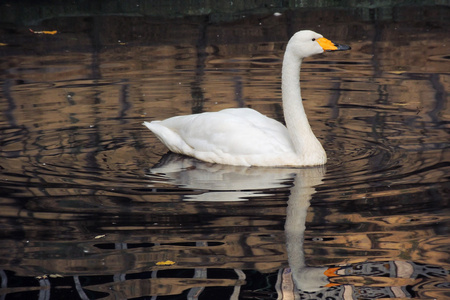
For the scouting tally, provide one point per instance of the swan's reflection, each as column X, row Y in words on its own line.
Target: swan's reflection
column 231, row 183
column 219, row 182
column 308, row 279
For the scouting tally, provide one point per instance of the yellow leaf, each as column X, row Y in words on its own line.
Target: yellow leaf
column 50, row 32
column 44, row 32
column 397, row 72
column 165, row 263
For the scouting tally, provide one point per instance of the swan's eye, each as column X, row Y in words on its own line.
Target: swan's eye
column 313, row 39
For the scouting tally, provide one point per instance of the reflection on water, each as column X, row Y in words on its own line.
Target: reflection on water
column 92, row 208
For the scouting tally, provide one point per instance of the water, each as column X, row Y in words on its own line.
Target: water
column 94, row 208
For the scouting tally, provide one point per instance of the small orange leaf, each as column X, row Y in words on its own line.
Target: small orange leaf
column 165, row 263
column 44, row 32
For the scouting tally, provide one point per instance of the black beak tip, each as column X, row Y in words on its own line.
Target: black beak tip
column 342, row 47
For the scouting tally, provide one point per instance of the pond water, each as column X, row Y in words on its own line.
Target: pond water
column 93, row 206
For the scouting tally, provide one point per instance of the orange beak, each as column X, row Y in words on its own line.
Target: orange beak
column 328, row 45
column 331, row 272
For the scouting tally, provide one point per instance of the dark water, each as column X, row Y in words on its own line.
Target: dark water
column 92, row 207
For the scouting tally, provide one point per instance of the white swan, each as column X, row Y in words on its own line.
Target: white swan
column 243, row 136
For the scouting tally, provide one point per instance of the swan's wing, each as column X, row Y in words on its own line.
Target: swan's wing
column 268, row 132
column 230, row 131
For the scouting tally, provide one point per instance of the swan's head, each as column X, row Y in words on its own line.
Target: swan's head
column 306, row 43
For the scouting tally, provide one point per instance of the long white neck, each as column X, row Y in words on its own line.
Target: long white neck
column 303, row 139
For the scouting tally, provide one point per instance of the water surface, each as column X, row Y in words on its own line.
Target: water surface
column 93, row 206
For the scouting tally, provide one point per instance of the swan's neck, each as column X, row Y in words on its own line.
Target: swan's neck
column 303, row 139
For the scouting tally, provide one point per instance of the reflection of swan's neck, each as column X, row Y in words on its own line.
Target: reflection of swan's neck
column 295, row 222
column 302, row 137
column 305, row 278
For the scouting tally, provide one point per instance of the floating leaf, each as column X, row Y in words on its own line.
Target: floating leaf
column 397, row 72
column 44, row 32
column 165, row 263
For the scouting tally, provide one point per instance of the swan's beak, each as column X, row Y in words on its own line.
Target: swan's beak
column 328, row 45
column 331, row 272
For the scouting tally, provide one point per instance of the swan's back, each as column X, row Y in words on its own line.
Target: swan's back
column 236, row 136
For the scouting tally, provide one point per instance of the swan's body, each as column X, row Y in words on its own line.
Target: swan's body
column 243, row 136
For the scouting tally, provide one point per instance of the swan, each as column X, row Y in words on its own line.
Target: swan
column 245, row 137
